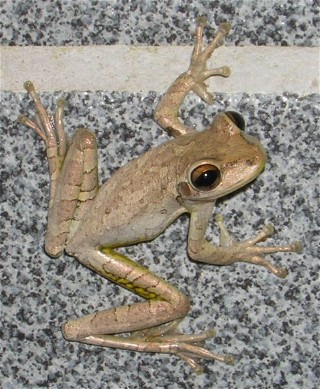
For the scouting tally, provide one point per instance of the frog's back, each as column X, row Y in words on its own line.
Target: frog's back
column 140, row 200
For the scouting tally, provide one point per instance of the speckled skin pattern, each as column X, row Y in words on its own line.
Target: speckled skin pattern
column 269, row 325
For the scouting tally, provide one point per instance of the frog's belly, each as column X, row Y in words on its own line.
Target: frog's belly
column 142, row 230
column 120, row 228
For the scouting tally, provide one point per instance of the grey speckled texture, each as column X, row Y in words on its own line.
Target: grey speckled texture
column 69, row 22
column 270, row 325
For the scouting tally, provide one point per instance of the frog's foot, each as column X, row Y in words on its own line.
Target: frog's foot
column 49, row 128
column 247, row 251
column 167, row 111
column 164, row 339
column 160, row 330
column 198, row 66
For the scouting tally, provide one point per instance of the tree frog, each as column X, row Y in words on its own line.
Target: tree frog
column 185, row 175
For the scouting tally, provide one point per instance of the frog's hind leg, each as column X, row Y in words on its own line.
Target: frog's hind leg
column 139, row 326
column 73, row 169
column 77, row 188
column 50, row 129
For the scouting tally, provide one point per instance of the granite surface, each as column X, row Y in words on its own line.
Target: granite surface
column 98, row 22
column 269, row 325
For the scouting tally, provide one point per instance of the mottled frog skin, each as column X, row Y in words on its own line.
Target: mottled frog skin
column 185, row 175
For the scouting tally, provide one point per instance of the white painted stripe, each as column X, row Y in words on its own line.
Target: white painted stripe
column 141, row 69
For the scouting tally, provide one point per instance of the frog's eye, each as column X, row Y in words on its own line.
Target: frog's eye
column 205, row 177
column 237, row 119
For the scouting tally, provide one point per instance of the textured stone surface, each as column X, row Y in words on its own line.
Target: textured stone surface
column 268, row 324
column 68, row 22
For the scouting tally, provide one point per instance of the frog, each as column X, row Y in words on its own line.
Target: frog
column 185, row 175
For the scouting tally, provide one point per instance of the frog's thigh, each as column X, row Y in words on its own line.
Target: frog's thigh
column 77, row 185
column 165, row 302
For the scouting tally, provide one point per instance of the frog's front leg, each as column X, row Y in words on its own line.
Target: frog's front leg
column 230, row 251
column 143, row 320
column 193, row 80
column 73, row 169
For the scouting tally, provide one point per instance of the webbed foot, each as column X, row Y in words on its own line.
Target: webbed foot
column 248, row 251
column 48, row 127
column 164, row 339
column 167, row 111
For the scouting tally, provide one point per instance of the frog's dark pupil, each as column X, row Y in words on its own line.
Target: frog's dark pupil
column 207, row 178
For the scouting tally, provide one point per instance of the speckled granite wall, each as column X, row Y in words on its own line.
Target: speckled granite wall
column 269, row 325
column 58, row 23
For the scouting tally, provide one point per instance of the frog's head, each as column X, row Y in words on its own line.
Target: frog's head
column 229, row 159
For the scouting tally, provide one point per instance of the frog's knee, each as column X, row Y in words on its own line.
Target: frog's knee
column 183, row 305
column 84, row 139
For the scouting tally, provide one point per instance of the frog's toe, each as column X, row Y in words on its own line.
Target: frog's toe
column 267, row 230
column 296, row 247
column 281, row 272
column 189, row 353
